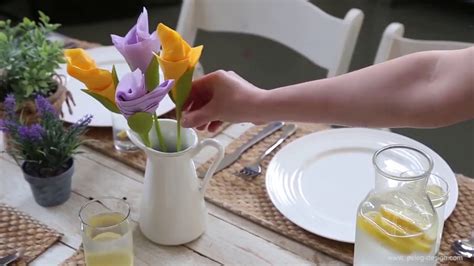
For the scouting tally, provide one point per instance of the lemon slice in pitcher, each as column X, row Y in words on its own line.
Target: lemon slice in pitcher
column 415, row 241
column 409, row 220
column 370, row 223
column 412, row 223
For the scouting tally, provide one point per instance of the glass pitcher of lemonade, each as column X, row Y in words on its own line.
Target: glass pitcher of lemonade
column 107, row 232
column 396, row 222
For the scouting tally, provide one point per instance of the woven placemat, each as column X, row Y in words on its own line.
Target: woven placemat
column 250, row 200
column 76, row 259
column 20, row 232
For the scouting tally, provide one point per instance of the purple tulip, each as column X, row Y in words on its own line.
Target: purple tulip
column 132, row 96
column 138, row 46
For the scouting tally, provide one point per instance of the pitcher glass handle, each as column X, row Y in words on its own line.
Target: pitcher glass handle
column 212, row 168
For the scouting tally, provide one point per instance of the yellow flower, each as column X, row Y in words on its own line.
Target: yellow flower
column 176, row 55
column 82, row 67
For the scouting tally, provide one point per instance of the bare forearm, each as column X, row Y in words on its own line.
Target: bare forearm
column 421, row 90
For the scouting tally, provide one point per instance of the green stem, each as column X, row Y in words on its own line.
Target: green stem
column 161, row 140
column 178, row 140
column 146, row 139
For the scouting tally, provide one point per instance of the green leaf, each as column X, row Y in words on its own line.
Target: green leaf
column 141, row 123
column 3, row 37
column 24, row 48
column 114, row 76
column 182, row 89
column 104, row 101
column 152, row 74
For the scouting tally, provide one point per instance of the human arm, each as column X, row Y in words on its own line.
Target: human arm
column 427, row 89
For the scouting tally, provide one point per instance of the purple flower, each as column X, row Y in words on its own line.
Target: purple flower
column 7, row 125
column 4, row 125
column 31, row 133
column 132, row 96
column 83, row 122
column 138, row 46
column 10, row 105
column 44, row 106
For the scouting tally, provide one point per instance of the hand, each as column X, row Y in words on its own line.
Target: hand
column 221, row 96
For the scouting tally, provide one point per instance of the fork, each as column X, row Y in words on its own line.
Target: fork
column 254, row 169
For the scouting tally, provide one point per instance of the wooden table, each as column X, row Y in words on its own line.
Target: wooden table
column 229, row 239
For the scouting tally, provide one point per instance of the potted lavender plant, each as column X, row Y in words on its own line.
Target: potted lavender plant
column 44, row 150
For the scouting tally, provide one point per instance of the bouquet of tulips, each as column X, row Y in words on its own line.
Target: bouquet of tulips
column 138, row 93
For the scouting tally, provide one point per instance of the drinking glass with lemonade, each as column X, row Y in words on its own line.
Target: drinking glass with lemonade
column 106, row 232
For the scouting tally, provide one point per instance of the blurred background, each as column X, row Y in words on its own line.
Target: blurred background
column 268, row 64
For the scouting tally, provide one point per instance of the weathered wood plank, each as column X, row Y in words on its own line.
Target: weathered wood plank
column 277, row 239
column 15, row 191
column 222, row 241
column 268, row 235
column 55, row 255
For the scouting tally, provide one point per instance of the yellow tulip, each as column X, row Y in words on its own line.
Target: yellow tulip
column 82, row 67
column 176, row 56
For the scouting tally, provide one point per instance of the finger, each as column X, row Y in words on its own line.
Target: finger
column 198, row 117
column 208, row 78
column 202, row 128
column 214, row 126
column 201, row 92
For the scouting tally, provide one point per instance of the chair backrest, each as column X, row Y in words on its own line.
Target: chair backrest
column 394, row 45
column 325, row 40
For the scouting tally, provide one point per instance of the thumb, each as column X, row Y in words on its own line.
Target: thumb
column 197, row 117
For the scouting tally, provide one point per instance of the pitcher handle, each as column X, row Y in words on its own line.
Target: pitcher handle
column 212, row 168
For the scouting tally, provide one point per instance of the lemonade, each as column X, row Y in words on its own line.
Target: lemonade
column 394, row 229
column 108, row 240
column 437, row 191
column 396, row 223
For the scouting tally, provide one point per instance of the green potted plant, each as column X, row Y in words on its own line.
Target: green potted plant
column 28, row 61
column 44, row 149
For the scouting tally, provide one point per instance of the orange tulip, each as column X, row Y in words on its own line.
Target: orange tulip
column 176, row 56
column 82, row 67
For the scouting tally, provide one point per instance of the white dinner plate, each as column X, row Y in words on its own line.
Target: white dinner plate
column 318, row 181
column 105, row 57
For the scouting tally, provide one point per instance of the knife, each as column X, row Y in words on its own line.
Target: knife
column 232, row 157
column 10, row 258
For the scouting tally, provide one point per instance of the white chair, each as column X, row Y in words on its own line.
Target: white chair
column 394, row 45
column 325, row 40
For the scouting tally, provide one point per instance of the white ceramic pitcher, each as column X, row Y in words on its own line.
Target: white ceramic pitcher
column 173, row 210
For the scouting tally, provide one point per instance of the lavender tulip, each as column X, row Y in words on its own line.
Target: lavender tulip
column 138, row 46
column 132, row 96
